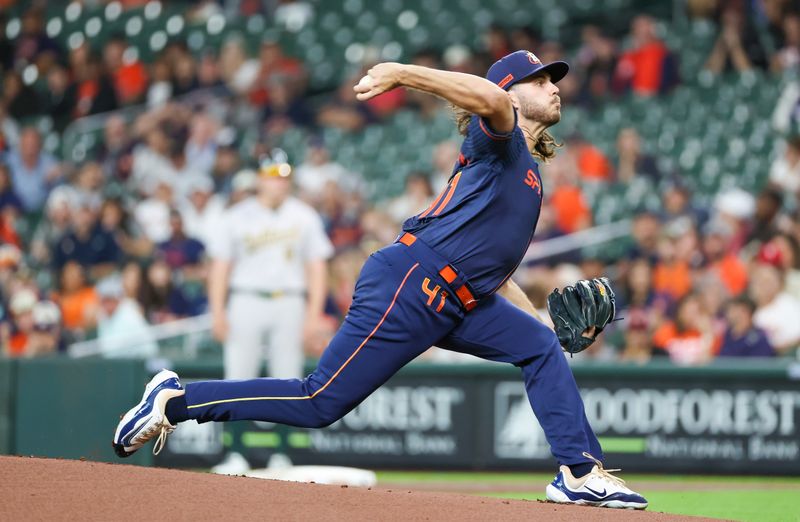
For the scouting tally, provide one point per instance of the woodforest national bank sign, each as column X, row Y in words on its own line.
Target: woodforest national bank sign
column 714, row 429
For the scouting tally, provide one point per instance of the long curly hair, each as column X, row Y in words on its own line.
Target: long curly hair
column 545, row 148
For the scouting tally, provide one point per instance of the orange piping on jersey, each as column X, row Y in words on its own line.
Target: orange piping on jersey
column 453, row 186
column 341, row 368
column 435, row 202
column 486, row 131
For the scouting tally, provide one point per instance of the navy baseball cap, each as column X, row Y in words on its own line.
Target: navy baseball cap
column 518, row 65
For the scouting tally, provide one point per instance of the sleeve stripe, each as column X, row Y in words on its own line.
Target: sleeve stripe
column 496, row 137
column 435, row 202
column 452, row 190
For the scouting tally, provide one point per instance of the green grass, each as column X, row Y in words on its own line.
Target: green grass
column 776, row 498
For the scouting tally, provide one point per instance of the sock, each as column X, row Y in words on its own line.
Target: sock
column 176, row 410
column 579, row 470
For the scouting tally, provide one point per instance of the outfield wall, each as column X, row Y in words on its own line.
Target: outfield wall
column 736, row 417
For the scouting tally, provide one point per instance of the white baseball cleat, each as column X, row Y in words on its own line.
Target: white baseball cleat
column 598, row 488
column 147, row 419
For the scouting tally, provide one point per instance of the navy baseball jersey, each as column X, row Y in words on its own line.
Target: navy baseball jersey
column 484, row 219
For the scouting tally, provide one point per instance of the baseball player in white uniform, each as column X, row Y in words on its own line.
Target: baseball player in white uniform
column 267, row 282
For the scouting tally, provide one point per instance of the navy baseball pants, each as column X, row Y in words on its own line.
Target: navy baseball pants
column 401, row 307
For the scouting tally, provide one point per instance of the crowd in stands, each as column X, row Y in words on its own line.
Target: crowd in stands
column 104, row 246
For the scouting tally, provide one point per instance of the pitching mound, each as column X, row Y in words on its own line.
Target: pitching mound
column 47, row 489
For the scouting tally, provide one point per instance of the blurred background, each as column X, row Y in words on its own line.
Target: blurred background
column 127, row 128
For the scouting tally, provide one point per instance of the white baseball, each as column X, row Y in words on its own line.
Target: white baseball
column 366, row 81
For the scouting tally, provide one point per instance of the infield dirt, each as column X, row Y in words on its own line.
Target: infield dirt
column 51, row 489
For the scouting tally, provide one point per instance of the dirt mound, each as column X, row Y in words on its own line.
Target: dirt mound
column 48, row 489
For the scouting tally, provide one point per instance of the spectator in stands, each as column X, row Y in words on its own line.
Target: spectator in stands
column 495, row 42
column 344, row 111
column 163, row 301
column 318, row 170
column 129, row 76
column 180, row 251
column 45, row 336
column 677, row 205
column 93, row 88
column 631, row 161
column 784, row 173
column 208, row 73
column 672, row 273
column 20, row 306
column 8, row 226
column 777, row 312
column 764, row 224
column 78, row 301
column 228, row 163
column 637, row 347
column 742, row 338
column 736, row 207
column 593, row 165
column 10, row 263
column 340, row 217
column 572, row 213
column 284, row 109
column 597, row 59
column 152, row 214
column 9, row 131
column 376, row 229
column 33, row 45
column 117, row 221
column 273, row 62
column 8, row 198
column 185, row 175
column 720, row 260
column 788, row 56
column 184, row 73
column 59, row 100
column 88, row 244
column 417, row 196
column 34, row 172
column 643, row 308
column 19, row 100
column 237, row 70
column 647, row 68
column 783, row 252
column 738, row 46
column 689, row 338
column 151, row 161
column 88, row 184
column 201, row 210
column 131, row 277
column 159, row 91
column 122, row 330
column 201, row 147
column 115, row 153
column 56, row 222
